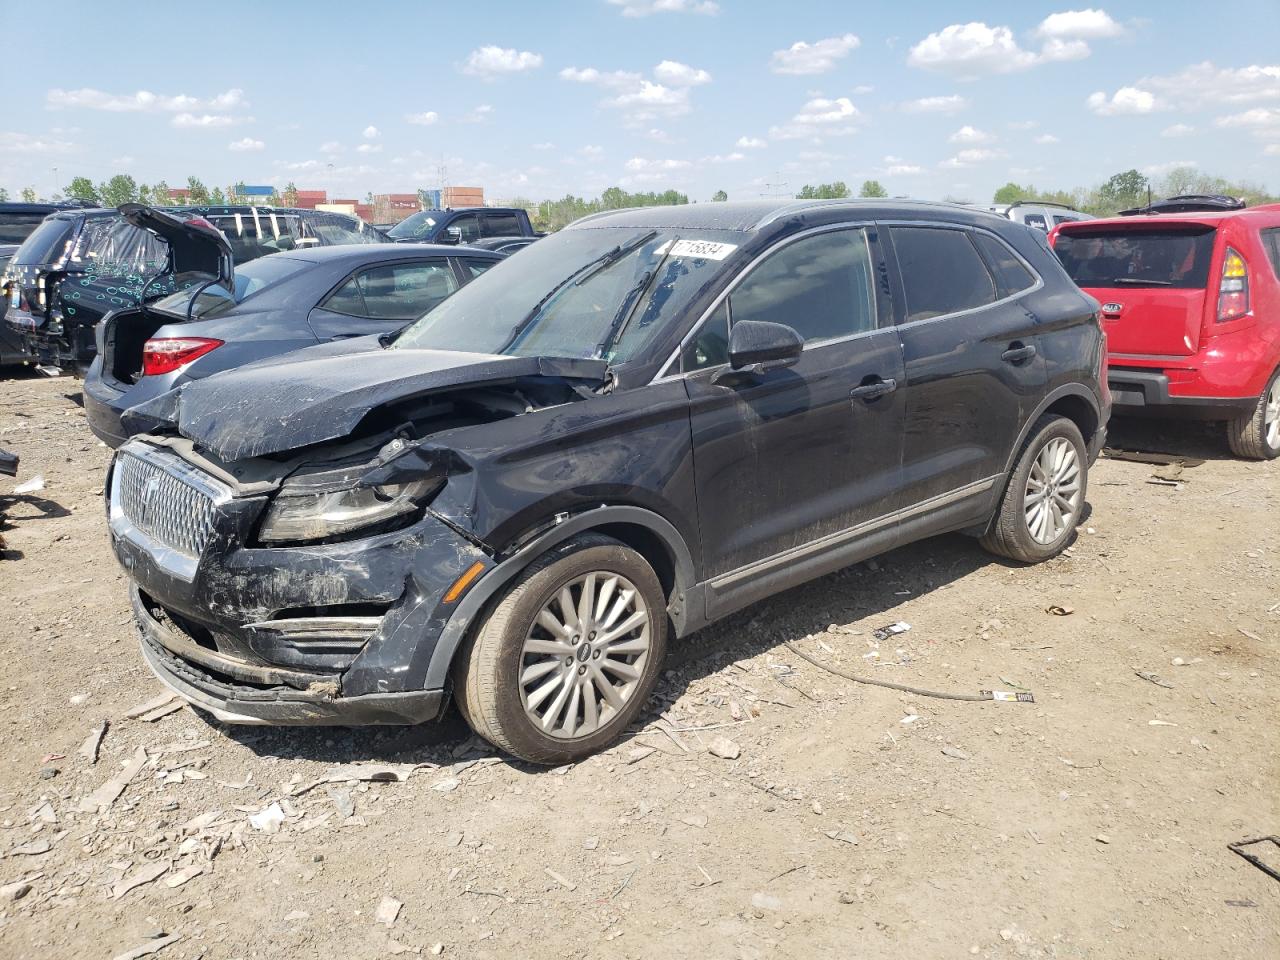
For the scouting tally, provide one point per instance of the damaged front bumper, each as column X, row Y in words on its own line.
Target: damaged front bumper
column 339, row 633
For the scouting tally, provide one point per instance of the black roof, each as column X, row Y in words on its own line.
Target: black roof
column 356, row 252
column 752, row 215
column 46, row 208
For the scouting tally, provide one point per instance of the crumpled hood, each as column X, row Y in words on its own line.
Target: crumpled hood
column 323, row 392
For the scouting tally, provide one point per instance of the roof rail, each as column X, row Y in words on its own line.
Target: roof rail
column 1190, row 203
column 1040, row 203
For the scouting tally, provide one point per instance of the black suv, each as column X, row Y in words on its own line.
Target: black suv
column 80, row 264
column 637, row 426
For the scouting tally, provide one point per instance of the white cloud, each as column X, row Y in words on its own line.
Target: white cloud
column 144, row 101
column 1160, row 169
column 968, row 134
column 643, row 8
column 203, row 121
column 546, row 145
column 1204, row 85
column 124, row 161
column 369, row 148
column 591, row 150
column 1080, row 25
column 903, row 170
column 751, row 143
column 424, row 119
column 246, row 145
column 658, row 135
column 967, row 158
column 330, row 147
column 819, row 116
column 641, row 170
column 370, row 132
column 26, row 143
column 480, row 114
column 808, row 58
column 862, row 89
column 494, row 61
column 680, row 74
column 953, row 103
column 1257, row 117
column 1125, row 101
column 971, row 49
column 724, row 158
column 1178, row 130
column 1046, row 138
column 1023, row 124
column 1272, row 150
column 641, row 100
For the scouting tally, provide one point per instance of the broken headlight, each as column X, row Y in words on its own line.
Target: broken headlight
column 308, row 517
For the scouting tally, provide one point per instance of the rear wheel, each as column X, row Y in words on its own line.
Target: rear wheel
column 1041, row 506
column 568, row 656
column 1256, row 436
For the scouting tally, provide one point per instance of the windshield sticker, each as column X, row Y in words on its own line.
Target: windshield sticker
column 697, row 249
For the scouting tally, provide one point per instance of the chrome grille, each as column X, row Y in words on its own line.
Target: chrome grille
column 155, row 499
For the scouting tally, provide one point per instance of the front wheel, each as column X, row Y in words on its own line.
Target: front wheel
column 1256, row 436
column 568, row 656
column 1041, row 506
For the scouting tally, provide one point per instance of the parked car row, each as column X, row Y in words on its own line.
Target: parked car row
column 508, row 482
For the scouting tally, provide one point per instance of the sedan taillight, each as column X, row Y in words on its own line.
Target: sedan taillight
column 166, row 354
column 1233, row 290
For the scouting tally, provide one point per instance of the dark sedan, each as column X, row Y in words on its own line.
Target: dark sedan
column 273, row 305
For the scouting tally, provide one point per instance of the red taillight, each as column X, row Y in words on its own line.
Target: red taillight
column 1233, row 289
column 166, row 354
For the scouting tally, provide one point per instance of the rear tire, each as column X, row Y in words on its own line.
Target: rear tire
column 1045, row 496
column 1256, row 435
column 532, row 677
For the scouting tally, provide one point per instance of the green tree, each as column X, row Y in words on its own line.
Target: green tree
column 1011, row 192
column 872, row 188
column 1122, row 192
column 82, row 188
column 28, row 194
column 199, row 193
column 824, row 191
column 217, row 198
column 290, row 195
column 4, row 195
column 160, row 194
column 119, row 189
column 719, row 197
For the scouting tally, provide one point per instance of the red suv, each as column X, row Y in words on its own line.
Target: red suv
column 1190, row 294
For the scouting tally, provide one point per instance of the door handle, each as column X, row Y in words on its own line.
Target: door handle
column 873, row 390
column 1017, row 352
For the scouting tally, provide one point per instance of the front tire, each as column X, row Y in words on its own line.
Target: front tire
column 1044, row 499
column 1256, row 436
column 568, row 656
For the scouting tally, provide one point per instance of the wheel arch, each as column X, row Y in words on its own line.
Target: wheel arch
column 1075, row 402
column 648, row 533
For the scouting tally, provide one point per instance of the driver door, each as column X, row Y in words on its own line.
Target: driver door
column 792, row 465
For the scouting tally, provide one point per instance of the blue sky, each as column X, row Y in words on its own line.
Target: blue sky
column 543, row 99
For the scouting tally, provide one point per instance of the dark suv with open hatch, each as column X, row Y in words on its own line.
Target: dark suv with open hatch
column 636, row 427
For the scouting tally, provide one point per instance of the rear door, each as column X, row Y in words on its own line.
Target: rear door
column 973, row 366
column 1151, row 280
column 381, row 298
column 787, row 458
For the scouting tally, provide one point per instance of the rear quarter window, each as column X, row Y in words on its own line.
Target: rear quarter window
column 47, row 243
column 1174, row 256
column 1271, row 244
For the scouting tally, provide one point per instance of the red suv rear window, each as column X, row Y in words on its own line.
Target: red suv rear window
column 1173, row 256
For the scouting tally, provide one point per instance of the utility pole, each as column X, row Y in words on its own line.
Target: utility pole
column 777, row 190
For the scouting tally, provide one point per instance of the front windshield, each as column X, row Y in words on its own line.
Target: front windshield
column 415, row 227
column 250, row 278
column 595, row 292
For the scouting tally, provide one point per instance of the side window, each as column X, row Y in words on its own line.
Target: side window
column 821, row 286
column 941, row 272
column 16, row 227
column 469, row 225
column 477, row 267
column 396, row 291
column 1271, row 243
column 502, row 225
column 710, row 347
column 1036, row 220
column 1011, row 276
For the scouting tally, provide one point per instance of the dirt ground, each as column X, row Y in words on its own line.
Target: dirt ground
column 857, row 821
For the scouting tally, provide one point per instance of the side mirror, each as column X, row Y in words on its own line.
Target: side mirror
column 756, row 346
column 451, row 235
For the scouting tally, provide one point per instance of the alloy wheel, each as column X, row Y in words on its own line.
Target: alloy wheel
column 1052, row 499
column 1271, row 416
column 584, row 655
